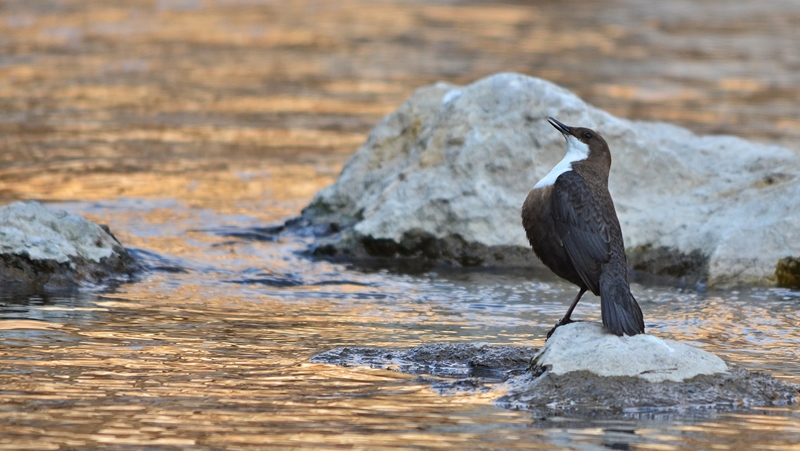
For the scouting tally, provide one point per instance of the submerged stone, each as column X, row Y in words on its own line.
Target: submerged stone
column 450, row 368
column 445, row 175
column 452, row 360
column 44, row 248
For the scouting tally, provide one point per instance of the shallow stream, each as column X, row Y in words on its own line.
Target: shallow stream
column 190, row 127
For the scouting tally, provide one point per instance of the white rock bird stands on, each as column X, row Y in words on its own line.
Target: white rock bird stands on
column 571, row 223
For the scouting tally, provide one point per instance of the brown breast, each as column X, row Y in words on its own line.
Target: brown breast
column 537, row 219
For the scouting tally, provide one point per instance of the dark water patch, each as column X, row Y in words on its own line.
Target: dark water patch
column 259, row 276
column 270, row 280
column 470, row 386
column 370, row 265
column 53, row 304
column 25, row 294
column 332, row 295
column 154, row 261
column 267, row 234
column 341, row 282
column 292, row 230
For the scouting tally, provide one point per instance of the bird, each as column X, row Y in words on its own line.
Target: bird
column 572, row 226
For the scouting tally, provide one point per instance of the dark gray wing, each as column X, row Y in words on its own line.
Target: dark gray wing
column 581, row 227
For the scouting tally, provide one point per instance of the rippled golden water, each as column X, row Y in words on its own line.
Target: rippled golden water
column 185, row 123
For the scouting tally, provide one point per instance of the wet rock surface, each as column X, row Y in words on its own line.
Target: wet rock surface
column 787, row 272
column 444, row 177
column 473, row 366
column 45, row 248
column 668, row 265
column 583, row 368
column 525, row 380
column 583, row 392
column 588, row 346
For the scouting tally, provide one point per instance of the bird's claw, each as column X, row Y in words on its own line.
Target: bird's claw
column 562, row 322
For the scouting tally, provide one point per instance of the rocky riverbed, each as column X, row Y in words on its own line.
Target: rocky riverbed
column 582, row 370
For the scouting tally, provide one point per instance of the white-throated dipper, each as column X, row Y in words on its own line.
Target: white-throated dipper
column 571, row 223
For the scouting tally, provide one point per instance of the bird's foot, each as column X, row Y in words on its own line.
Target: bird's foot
column 562, row 322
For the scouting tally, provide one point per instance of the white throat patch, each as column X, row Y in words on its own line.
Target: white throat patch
column 576, row 151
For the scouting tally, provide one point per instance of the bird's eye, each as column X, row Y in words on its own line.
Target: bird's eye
column 587, row 135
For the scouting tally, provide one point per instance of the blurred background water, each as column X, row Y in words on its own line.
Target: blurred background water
column 189, row 125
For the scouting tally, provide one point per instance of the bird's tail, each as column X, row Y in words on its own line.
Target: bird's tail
column 621, row 313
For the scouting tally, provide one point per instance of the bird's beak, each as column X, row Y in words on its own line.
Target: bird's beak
column 564, row 129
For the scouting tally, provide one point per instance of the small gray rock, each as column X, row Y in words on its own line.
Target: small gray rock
column 43, row 248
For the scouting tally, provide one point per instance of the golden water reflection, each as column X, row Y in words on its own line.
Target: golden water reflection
column 158, row 372
column 179, row 121
column 197, row 360
column 194, row 367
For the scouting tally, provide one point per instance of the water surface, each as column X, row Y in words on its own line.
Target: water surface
column 191, row 126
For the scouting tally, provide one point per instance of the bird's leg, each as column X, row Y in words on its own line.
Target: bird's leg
column 565, row 319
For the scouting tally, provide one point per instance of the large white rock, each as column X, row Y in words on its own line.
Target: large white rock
column 459, row 160
column 590, row 347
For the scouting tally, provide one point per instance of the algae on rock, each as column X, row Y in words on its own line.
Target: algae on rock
column 787, row 272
